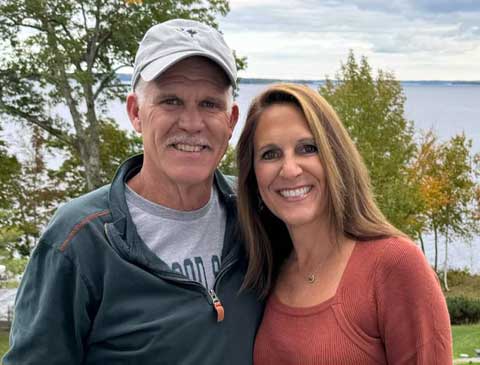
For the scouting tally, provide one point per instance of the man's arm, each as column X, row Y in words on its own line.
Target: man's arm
column 51, row 312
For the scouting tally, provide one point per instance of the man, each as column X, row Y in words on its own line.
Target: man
column 147, row 270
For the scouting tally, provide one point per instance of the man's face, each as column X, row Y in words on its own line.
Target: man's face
column 186, row 118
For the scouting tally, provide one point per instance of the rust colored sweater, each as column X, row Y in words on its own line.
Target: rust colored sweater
column 388, row 309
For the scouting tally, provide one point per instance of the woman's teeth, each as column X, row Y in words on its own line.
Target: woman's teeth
column 295, row 193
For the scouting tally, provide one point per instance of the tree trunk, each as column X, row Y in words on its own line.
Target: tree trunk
column 445, row 264
column 92, row 164
column 422, row 245
column 87, row 141
column 89, row 152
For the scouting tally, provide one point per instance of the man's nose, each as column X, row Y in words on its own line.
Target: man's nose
column 290, row 168
column 191, row 120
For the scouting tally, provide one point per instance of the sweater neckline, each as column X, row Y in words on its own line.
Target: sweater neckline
column 278, row 305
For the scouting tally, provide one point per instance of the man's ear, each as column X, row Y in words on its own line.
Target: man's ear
column 234, row 117
column 133, row 111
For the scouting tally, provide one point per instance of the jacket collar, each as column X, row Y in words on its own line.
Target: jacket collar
column 122, row 219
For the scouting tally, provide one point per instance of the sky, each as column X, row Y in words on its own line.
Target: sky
column 308, row 39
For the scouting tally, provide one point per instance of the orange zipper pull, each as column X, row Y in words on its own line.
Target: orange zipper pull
column 217, row 304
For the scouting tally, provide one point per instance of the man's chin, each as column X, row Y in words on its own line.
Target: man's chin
column 191, row 176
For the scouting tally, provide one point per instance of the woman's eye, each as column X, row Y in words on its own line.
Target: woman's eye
column 270, row 155
column 308, row 148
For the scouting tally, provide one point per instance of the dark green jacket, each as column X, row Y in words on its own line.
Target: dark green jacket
column 93, row 293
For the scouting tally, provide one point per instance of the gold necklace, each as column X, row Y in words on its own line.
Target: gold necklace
column 311, row 278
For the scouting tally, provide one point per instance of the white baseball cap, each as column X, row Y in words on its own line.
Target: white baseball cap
column 172, row 41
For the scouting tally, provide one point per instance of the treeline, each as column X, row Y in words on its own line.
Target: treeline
column 424, row 186
column 67, row 54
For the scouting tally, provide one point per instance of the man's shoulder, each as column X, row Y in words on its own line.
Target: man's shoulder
column 232, row 181
column 73, row 215
column 226, row 183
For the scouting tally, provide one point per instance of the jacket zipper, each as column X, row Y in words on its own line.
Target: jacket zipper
column 211, row 295
column 217, row 305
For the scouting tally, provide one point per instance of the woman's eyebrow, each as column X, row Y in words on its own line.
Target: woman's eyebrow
column 308, row 139
column 266, row 147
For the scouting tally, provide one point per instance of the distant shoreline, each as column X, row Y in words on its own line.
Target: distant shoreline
column 252, row 80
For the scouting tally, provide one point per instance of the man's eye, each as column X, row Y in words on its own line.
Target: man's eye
column 172, row 101
column 209, row 104
column 307, row 149
column 270, row 155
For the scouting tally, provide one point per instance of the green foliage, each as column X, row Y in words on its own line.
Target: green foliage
column 67, row 52
column 372, row 109
column 9, row 238
column 34, row 193
column 115, row 146
column 462, row 283
column 9, row 173
column 228, row 164
column 459, row 277
column 463, row 310
column 445, row 173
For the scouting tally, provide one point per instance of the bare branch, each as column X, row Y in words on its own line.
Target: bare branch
column 105, row 80
column 84, row 15
column 33, row 119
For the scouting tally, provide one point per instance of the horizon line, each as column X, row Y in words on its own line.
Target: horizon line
column 274, row 79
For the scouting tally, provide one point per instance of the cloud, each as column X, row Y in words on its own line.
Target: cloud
column 447, row 6
column 300, row 33
column 411, row 6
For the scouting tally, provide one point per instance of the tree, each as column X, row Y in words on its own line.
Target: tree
column 457, row 218
column 9, row 173
column 228, row 164
column 14, row 266
column 372, row 109
column 115, row 146
column 425, row 171
column 445, row 173
column 68, row 52
column 35, row 193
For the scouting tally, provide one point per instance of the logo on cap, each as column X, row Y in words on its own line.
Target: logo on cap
column 192, row 32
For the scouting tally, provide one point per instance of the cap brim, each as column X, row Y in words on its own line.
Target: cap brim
column 158, row 66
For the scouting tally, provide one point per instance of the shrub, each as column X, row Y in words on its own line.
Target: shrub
column 463, row 310
column 458, row 276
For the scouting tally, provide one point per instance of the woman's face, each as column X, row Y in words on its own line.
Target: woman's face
column 289, row 173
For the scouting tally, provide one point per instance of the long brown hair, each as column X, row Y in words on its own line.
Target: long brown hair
column 351, row 208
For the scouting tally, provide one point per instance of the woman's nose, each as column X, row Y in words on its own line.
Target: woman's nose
column 290, row 168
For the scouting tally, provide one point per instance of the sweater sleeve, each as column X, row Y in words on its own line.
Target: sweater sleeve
column 51, row 316
column 413, row 318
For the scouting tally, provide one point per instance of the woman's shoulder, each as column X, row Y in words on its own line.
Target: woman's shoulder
column 394, row 254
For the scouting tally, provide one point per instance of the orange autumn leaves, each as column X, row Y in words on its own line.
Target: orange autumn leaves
column 445, row 174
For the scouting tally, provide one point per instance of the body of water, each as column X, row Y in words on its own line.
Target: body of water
column 446, row 108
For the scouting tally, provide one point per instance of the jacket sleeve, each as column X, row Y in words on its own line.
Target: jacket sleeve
column 413, row 318
column 51, row 318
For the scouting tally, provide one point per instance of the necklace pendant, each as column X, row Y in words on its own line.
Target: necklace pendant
column 311, row 278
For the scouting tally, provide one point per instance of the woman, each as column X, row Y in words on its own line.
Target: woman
column 344, row 286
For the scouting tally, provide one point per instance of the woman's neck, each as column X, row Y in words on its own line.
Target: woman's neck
column 313, row 243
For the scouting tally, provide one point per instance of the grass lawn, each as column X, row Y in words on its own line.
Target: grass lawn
column 466, row 339
column 3, row 342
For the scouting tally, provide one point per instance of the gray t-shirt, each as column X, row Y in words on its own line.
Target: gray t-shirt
column 190, row 242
